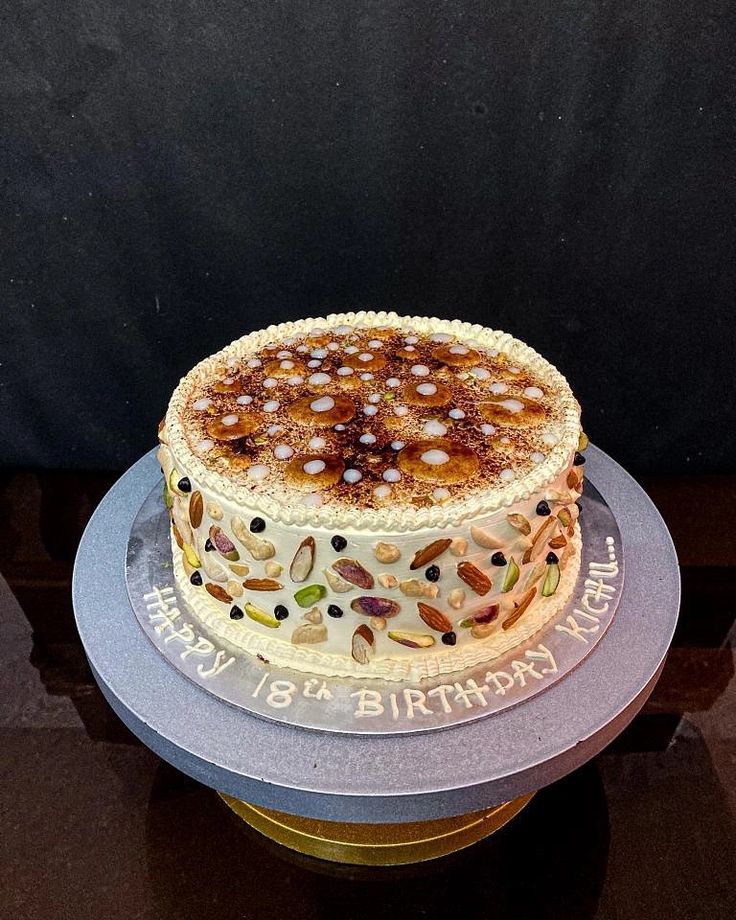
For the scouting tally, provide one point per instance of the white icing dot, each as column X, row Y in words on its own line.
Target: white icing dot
column 434, row 429
column 536, row 456
column 401, row 410
column 270, row 382
column 440, row 337
column 333, row 346
column 533, row 393
column 244, row 400
column 295, row 380
column 290, row 341
column 228, row 380
column 367, row 438
column 391, row 475
column 487, row 429
column 366, row 376
column 324, row 404
column 410, row 348
column 315, row 362
column 344, row 371
column 480, row 373
column 498, row 388
column 317, row 331
column 382, row 491
column 273, row 430
column 254, row 362
column 318, row 380
column 398, row 445
column 411, row 340
column 550, row 438
column 283, row 451
column 375, row 343
column 365, row 357
column 374, row 398
column 458, row 350
column 204, row 445
column 511, row 405
column 229, row 420
column 258, row 471
column 506, row 475
column 201, row 404
column 440, row 494
column 302, row 349
column 505, row 439
column 352, row 476
column 320, row 353
column 420, row 370
column 456, row 413
column 370, row 410
column 311, row 499
column 271, row 406
column 393, row 382
column 343, row 330
column 317, row 443
column 313, row 467
column 272, row 346
column 514, row 370
column 426, row 389
column 350, row 349
column 339, row 427
column 434, row 457
column 284, row 354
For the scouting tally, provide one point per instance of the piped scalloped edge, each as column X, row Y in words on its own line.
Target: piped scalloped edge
column 391, row 518
column 413, row 667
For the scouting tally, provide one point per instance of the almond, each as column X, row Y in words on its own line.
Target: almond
column 303, row 561
column 196, row 509
column 474, row 578
column 262, row 584
column 484, row 539
column 219, row 593
column 362, row 644
column 520, row 608
column 423, row 556
column 557, row 542
column 434, row 618
column 539, row 540
column 177, row 535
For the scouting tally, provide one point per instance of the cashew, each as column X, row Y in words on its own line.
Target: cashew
column 388, row 581
column 386, row 552
column 258, row 548
column 413, row 587
column 456, row 598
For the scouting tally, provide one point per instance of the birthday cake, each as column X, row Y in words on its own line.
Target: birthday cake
column 373, row 495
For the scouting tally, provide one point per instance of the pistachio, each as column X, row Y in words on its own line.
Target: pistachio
column 386, row 552
column 362, row 644
column 459, row 546
column 260, row 616
column 481, row 617
column 388, row 581
column 214, row 511
column 413, row 587
column 428, row 553
column 223, row 544
column 273, row 569
column 168, row 498
column 191, row 556
column 551, row 579
column 187, row 566
column 375, row 606
column 412, row 640
column 336, row 582
column 309, row 634
column 303, row 561
column 456, row 598
column 485, row 539
column 314, row 615
column 354, row 572
column 234, row 587
column 511, row 576
column 259, row 548
column 310, row 595
column 533, row 575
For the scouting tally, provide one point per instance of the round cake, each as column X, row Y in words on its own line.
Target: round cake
column 374, row 495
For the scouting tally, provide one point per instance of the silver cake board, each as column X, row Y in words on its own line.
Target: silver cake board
column 366, row 706
column 380, row 777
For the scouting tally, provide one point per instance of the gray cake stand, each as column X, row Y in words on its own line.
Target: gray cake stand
column 372, row 798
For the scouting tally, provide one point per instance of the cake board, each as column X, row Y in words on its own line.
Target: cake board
column 319, row 791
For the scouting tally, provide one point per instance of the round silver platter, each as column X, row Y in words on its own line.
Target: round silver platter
column 385, row 777
column 371, row 706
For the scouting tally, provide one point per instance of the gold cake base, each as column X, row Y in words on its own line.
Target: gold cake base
column 376, row 844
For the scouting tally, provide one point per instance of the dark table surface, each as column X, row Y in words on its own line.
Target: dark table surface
column 94, row 825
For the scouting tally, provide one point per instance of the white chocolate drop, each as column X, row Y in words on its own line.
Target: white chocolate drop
column 480, row 373
column 258, row 471
column 434, row 457
column 456, row 413
column 367, row 438
column 319, row 380
column 324, row 404
column 434, row 429
column 270, row 382
column 201, row 404
column 382, row 491
column 458, row 350
column 313, row 467
column 536, row 456
column 229, row 420
column 498, row 388
column 370, row 410
column 244, row 400
column 426, row 389
column 506, row 475
column 271, row 406
column 393, row 382
column 283, row 451
column 317, row 443
column 391, row 475
column 511, row 405
column 352, row 476
column 401, row 410
column 420, row 370
column 344, row 371
column 204, row 445
column 487, row 428
column 533, row 393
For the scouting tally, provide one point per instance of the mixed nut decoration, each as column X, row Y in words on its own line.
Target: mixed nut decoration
column 362, row 417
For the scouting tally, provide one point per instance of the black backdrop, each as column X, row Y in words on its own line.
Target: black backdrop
column 177, row 173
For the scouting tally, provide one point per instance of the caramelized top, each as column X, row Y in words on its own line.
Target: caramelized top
column 353, row 415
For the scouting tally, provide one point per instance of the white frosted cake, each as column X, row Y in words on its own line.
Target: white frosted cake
column 373, row 495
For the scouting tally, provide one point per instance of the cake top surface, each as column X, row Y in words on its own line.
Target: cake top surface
column 373, row 417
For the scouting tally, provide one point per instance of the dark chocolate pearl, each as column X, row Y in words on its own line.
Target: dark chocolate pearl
column 579, row 459
column 449, row 638
column 552, row 559
column 498, row 559
column 334, row 611
column 257, row 525
column 543, row 509
column 280, row 612
column 338, row 543
column 580, row 507
column 195, row 578
column 236, row 613
column 184, row 485
column 432, row 573
column 208, row 545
